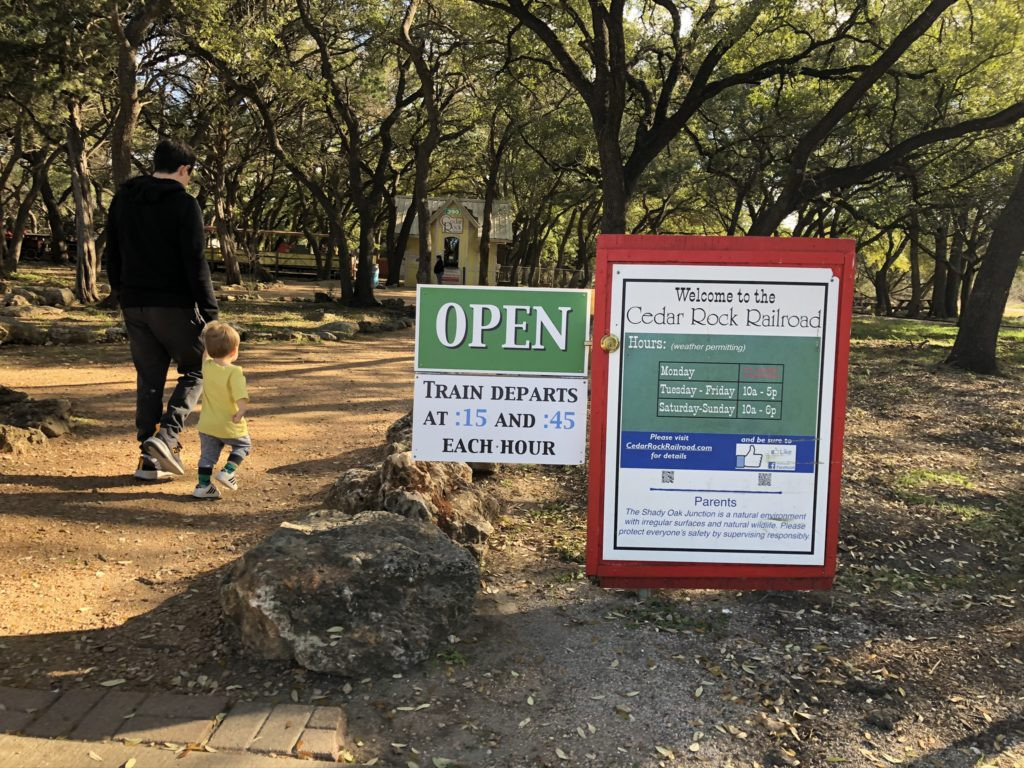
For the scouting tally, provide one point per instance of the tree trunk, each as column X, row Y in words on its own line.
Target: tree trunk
column 613, row 185
column 390, row 234
column 966, row 286
column 86, row 263
column 425, row 148
column 344, row 265
column 21, row 218
column 956, row 264
column 14, row 150
column 883, row 304
column 397, row 256
column 914, row 307
column 128, row 39
column 424, row 268
column 364, row 259
column 58, row 240
column 226, row 237
column 128, row 109
column 975, row 345
column 495, row 151
column 941, row 270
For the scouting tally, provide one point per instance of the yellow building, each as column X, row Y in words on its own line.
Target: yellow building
column 454, row 233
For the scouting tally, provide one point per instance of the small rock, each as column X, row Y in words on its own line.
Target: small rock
column 16, row 440
column 356, row 490
column 883, row 718
column 33, row 312
column 401, row 431
column 27, row 293
column 442, row 493
column 16, row 300
column 343, row 329
column 288, row 335
column 777, row 757
column 57, row 297
column 23, row 333
column 72, row 334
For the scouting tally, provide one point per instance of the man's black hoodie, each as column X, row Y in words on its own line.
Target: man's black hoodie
column 156, row 245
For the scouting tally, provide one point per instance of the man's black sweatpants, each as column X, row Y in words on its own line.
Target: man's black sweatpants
column 157, row 336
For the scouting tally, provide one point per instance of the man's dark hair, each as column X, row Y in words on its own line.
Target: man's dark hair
column 171, row 154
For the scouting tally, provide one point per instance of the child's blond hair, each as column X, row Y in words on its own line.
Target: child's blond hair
column 220, row 339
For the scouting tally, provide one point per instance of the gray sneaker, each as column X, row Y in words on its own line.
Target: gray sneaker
column 165, row 456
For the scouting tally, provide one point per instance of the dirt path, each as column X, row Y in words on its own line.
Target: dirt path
column 914, row 659
column 85, row 546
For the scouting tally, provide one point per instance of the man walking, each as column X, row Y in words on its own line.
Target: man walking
column 157, row 268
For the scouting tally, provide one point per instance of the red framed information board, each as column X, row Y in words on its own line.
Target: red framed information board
column 718, row 408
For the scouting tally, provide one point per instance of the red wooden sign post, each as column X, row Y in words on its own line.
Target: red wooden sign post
column 718, row 405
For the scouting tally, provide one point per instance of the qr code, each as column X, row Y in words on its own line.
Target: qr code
column 668, row 476
column 764, row 478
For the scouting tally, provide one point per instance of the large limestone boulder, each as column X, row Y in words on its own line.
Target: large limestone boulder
column 364, row 595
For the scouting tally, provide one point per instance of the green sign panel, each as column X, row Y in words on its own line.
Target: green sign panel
column 502, row 330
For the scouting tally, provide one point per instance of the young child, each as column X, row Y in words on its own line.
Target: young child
column 222, row 421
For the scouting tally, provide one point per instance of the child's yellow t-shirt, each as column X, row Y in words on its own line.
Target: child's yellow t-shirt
column 223, row 387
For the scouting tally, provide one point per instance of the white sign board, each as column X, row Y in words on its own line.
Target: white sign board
column 718, row 431
column 505, row 419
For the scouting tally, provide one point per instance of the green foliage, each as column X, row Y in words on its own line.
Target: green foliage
column 208, row 67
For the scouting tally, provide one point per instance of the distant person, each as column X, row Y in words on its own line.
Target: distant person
column 157, row 268
column 222, row 420
column 439, row 269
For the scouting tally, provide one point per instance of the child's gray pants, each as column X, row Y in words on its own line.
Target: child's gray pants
column 210, row 448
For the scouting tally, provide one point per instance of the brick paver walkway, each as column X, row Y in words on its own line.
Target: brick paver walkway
column 27, row 752
column 295, row 730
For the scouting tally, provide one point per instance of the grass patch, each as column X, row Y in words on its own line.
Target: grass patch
column 929, row 478
column 926, row 341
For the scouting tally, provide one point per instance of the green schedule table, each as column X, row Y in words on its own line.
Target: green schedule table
column 720, row 390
